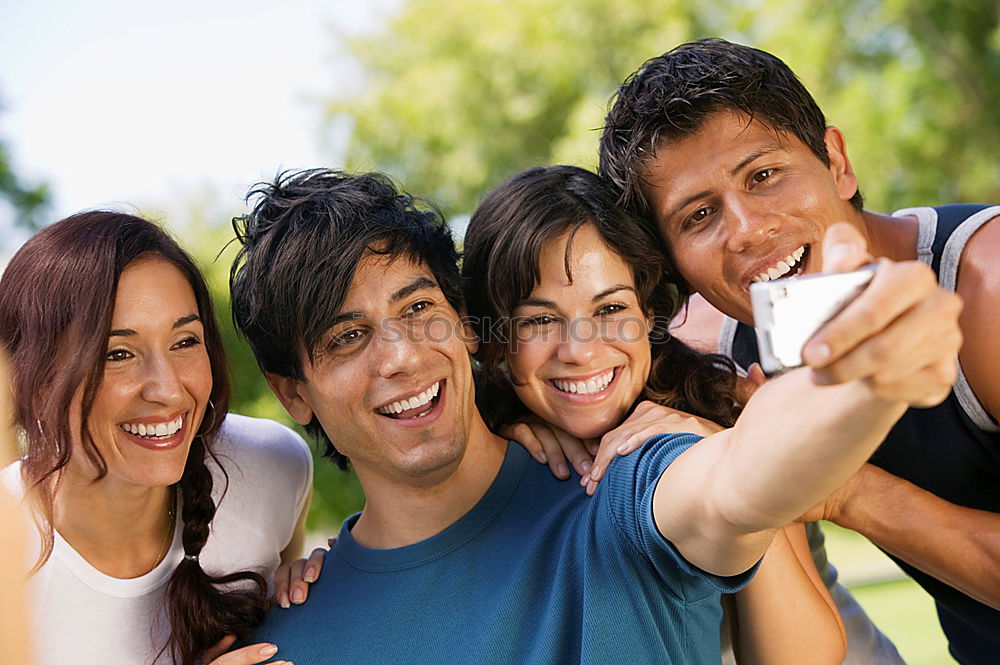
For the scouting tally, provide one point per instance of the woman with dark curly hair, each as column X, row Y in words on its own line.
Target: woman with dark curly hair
column 570, row 299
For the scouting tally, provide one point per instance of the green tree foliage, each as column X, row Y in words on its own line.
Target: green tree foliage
column 28, row 201
column 462, row 93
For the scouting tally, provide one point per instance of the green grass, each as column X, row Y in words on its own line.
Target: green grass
column 899, row 607
column 904, row 612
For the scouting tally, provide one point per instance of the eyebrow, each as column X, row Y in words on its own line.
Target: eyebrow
column 538, row 302
column 753, row 156
column 612, row 289
column 128, row 332
column 683, row 204
column 735, row 170
column 409, row 289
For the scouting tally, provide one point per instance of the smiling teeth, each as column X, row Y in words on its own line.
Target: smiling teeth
column 783, row 267
column 160, row 430
column 412, row 402
column 588, row 387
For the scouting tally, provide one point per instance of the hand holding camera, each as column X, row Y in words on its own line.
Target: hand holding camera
column 899, row 333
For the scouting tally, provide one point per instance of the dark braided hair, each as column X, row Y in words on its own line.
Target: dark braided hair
column 57, row 298
column 201, row 615
column 500, row 268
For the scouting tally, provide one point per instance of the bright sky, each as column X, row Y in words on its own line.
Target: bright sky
column 157, row 105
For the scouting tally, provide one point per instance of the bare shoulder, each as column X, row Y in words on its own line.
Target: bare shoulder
column 979, row 286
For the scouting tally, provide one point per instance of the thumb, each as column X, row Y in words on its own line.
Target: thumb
column 844, row 248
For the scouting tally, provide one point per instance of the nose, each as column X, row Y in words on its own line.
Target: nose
column 397, row 350
column 749, row 223
column 582, row 343
column 162, row 384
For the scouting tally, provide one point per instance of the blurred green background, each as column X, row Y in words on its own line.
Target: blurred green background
column 459, row 94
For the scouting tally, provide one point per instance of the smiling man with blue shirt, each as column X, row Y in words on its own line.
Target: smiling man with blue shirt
column 466, row 550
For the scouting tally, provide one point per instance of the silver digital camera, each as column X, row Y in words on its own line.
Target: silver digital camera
column 787, row 312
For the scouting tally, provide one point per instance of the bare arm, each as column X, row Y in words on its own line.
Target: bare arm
column 794, row 444
column 979, row 286
column 797, row 441
column 786, row 615
column 957, row 545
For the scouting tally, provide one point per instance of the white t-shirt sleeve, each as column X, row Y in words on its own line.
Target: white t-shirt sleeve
column 262, row 492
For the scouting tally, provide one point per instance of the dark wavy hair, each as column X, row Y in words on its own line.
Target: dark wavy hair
column 671, row 96
column 301, row 245
column 57, row 298
column 500, row 268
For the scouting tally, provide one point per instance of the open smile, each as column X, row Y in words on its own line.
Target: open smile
column 418, row 409
column 157, row 434
column 790, row 266
column 586, row 389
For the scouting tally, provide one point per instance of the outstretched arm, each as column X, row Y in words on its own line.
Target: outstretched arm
column 797, row 441
column 793, row 445
column 786, row 615
column 957, row 545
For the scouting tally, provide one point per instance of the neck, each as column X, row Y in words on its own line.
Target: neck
column 891, row 237
column 119, row 528
column 399, row 513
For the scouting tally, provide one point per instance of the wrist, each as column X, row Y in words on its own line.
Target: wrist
column 852, row 511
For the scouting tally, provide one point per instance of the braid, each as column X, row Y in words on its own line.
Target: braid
column 200, row 612
column 196, row 496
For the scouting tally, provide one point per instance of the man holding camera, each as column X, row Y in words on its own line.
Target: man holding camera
column 721, row 148
column 466, row 550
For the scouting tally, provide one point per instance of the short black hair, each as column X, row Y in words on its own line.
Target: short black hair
column 671, row 96
column 302, row 243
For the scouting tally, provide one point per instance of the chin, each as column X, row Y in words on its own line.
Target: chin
column 433, row 459
column 589, row 429
column 161, row 473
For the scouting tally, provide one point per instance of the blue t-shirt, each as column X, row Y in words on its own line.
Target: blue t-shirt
column 536, row 572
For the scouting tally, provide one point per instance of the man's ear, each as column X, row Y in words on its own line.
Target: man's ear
column 288, row 392
column 840, row 165
column 469, row 336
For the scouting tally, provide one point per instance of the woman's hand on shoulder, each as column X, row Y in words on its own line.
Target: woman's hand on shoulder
column 553, row 446
column 647, row 420
column 292, row 580
column 248, row 655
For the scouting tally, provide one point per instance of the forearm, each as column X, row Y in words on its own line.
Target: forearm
column 792, row 446
column 786, row 615
column 957, row 545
